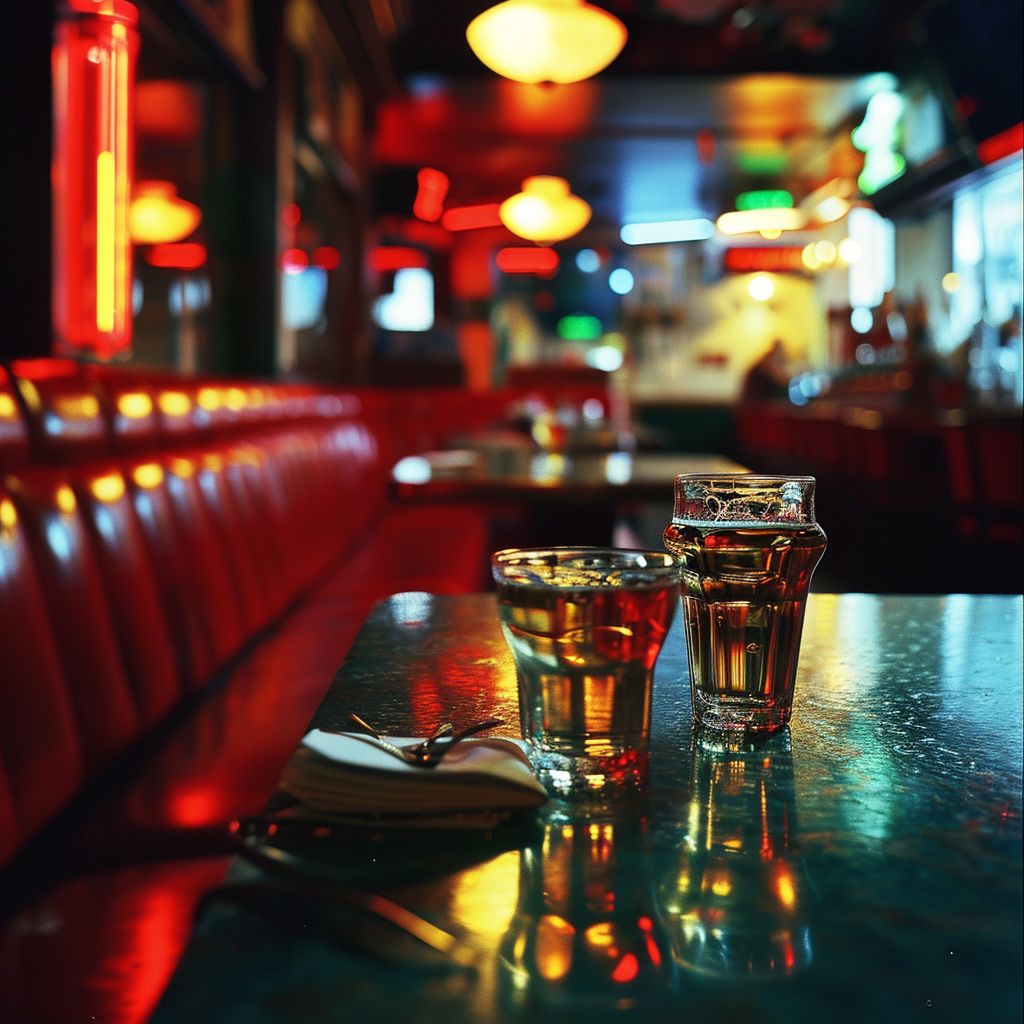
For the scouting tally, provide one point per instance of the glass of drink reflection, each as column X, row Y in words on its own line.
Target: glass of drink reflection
column 585, row 626
column 747, row 546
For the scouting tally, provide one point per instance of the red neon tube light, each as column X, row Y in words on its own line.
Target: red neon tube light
column 465, row 218
column 93, row 96
column 521, row 260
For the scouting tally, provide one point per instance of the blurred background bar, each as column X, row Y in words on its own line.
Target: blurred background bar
column 803, row 250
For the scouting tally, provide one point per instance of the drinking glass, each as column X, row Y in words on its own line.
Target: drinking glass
column 585, row 626
column 747, row 546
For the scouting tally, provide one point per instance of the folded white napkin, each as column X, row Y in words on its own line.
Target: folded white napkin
column 349, row 773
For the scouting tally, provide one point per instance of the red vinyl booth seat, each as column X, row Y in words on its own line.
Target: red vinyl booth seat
column 183, row 564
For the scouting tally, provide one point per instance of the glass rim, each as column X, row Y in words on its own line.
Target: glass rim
column 742, row 494
column 657, row 564
column 750, row 477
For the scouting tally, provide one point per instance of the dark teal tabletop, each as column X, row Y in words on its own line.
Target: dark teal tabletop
column 863, row 866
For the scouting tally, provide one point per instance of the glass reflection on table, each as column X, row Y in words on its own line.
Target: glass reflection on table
column 585, row 933
column 737, row 901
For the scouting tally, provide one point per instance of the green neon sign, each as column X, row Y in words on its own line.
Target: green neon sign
column 579, row 327
column 765, row 199
column 877, row 137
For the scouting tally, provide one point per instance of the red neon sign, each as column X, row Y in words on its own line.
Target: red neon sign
column 520, row 260
column 465, row 218
column 181, row 255
column 93, row 84
column 326, row 256
column 764, row 257
column 433, row 187
column 384, row 258
column 1003, row 144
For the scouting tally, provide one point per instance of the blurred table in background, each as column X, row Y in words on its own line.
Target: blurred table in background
column 568, row 498
column 863, row 867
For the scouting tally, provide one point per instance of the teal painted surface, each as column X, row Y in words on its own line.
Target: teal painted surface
column 865, row 866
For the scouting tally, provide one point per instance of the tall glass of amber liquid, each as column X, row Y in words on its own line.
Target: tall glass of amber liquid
column 747, row 546
column 585, row 626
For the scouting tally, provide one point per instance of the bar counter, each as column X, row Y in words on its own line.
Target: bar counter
column 863, row 865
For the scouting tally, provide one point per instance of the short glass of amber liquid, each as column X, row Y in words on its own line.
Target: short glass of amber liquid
column 747, row 546
column 585, row 626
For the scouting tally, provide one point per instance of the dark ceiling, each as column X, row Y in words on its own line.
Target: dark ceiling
column 787, row 75
column 705, row 37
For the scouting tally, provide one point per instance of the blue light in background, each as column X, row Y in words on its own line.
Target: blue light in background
column 588, row 261
column 303, row 294
column 620, row 281
column 410, row 307
column 660, row 181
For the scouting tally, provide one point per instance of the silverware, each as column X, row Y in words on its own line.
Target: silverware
column 436, row 752
column 429, row 752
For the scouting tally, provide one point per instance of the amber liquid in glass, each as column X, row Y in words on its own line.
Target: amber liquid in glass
column 584, row 659
column 744, row 593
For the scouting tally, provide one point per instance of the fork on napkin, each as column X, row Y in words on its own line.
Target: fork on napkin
column 354, row 774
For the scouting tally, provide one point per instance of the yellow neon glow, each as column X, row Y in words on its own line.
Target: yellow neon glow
column 8, row 409
column 108, row 488
column 8, row 514
column 741, row 222
column 148, row 475
column 235, row 399
column 545, row 211
column 546, row 40
column 209, row 399
column 122, row 241
column 106, row 258
column 77, row 407
column 950, row 283
column 214, row 463
column 182, row 468
column 174, row 403
column 784, row 887
column 135, row 405
column 65, row 499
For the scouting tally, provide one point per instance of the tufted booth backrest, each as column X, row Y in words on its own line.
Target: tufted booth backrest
column 150, row 527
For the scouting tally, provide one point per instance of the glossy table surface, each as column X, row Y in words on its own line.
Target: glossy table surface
column 524, row 474
column 864, row 866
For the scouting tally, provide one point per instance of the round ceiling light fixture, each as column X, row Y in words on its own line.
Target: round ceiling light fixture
column 546, row 40
column 157, row 214
column 545, row 211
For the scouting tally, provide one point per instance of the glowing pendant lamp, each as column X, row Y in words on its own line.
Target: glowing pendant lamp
column 158, row 215
column 546, row 40
column 545, row 211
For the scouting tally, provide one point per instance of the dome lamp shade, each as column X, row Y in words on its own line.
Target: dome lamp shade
column 546, row 40
column 158, row 215
column 545, row 211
